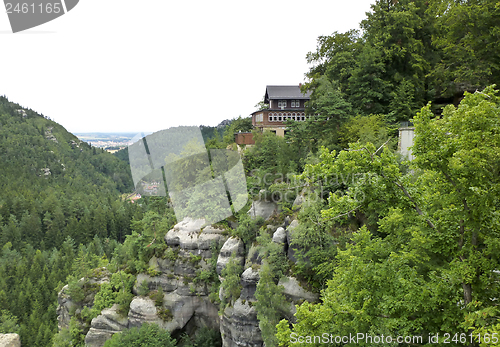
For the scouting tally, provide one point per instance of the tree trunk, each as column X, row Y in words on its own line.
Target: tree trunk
column 467, row 292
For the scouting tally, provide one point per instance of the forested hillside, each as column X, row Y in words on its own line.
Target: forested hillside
column 405, row 54
column 340, row 235
column 56, row 195
column 51, row 179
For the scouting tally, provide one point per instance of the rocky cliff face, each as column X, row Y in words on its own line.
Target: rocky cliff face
column 67, row 307
column 104, row 326
column 10, row 340
column 186, row 303
column 239, row 325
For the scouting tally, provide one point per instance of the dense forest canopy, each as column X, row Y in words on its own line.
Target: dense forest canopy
column 57, row 194
column 392, row 247
column 405, row 54
column 426, row 259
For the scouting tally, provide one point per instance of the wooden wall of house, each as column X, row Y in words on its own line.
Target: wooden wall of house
column 244, row 139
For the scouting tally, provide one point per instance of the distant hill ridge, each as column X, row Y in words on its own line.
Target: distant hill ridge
column 54, row 185
column 37, row 151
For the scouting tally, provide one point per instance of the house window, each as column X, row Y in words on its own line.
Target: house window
column 282, row 103
column 295, row 103
column 259, row 117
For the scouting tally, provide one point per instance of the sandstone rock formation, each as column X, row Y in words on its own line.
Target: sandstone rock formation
column 109, row 322
column 279, row 236
column 66, row 306
column 249, row 279
column 186, row 302
column 10, row 340
column 231, row 246
column 295, row 293
column 264, row 209
column 239, row 326
column 143, row 310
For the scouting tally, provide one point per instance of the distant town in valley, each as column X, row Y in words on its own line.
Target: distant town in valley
column 111, row 142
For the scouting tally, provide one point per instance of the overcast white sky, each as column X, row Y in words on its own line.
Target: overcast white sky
column 120, row 65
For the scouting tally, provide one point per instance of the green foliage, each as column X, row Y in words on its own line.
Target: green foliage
column 210, row 276
column 407, row 53
column 86, row 314
column 194, row 259
column 196, row 195
column 203, row 276
column 261, row 105
column 222, row 137
column 271, row 159
column 148, row 335
column 373, row 128
column 269, row 305
column 247, row 229
column 171, row 254
column 76, row 288
column 123, row 282
column 104, row 298
column 231, row 285
column 329, row 105
column 62, row 338
column 123, row 299
column 273, row 253
column 237, row 124
column 80, row 196
column 206, row 337
column 466, row 35
column 145, row 241
column 152, row 272
column 484, row 323
column 314, row 242
column 425, row 252
column 30, row 281
column 157, row 297
column 143, row 288
column 117, row 291
column 8, row 323
column 203, row 337
column 76, row 333
column 428, row 264
column 164, row 314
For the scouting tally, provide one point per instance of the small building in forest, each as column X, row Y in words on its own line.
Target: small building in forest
column 283, row 103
